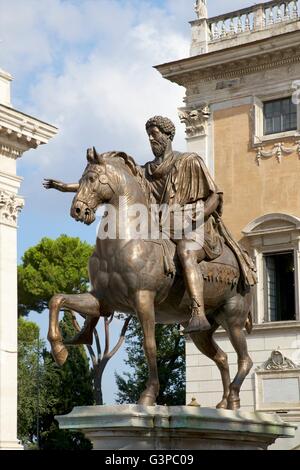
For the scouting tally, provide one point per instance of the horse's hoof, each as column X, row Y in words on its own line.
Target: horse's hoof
column 147, row 400
column 222, row 405
column 234, row 405
column 60, row 354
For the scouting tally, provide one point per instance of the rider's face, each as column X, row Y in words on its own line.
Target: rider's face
column 158, row 141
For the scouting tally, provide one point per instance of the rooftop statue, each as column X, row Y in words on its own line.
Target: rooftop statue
column 201, row 9
column 192, row 273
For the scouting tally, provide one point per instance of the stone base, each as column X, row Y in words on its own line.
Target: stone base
column 11, row 445
column 134, row 427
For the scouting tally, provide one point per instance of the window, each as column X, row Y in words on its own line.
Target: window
column 274, row 241
column 279, row 116
column 280, row 286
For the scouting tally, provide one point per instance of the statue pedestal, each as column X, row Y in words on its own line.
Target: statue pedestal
column 134, row 427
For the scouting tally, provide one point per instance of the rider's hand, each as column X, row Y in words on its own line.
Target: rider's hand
column 52, row 184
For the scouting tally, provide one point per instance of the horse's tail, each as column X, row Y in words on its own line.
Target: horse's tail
column 249, row 324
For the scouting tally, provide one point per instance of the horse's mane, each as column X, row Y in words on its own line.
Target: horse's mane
column 94, row 157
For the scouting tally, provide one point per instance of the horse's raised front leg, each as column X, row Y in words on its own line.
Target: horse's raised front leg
column 82, row 303
column 206, row 344
column 144, row 306
column 238, row 341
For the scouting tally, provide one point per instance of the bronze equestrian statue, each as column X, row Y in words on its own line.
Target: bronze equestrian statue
column 210, row 284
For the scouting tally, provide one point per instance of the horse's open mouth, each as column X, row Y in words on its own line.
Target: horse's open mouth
column 89, row 218
column 82, row 213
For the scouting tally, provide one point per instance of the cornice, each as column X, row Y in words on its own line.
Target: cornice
column 20, row 132
column 236, row 61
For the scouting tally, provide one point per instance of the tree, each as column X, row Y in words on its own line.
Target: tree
column 73, row 388
column 170, row 362
column 50, row 267
column 46, row 390
column 100, row 359
column 34, row 397
column 60, row 265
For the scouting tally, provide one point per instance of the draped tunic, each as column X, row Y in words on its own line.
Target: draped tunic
column 183, row 179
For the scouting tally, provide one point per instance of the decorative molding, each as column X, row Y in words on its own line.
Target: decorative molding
column 277, row 361
column 10, row 206
column 271, row 223
column 195, row 119
column 279, row 150
column 233, row 70
column 20, row 132
column 236, row 61
column 10, row 151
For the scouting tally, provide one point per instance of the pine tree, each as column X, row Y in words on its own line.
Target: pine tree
column 170, row 362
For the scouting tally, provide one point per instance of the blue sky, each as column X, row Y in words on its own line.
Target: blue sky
column 86, row 66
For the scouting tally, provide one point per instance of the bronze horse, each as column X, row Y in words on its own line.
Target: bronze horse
column 129, row 275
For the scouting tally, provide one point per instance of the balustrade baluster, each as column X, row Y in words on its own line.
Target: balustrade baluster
column 286, row 11
column 247, row 23
column 223, row 29
column 239, row 25
column 265, row 21
column 295, row 10
column 279, row 14
column 232, row 26
column 271, row 16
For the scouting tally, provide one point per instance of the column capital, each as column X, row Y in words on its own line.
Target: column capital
column 10, row 206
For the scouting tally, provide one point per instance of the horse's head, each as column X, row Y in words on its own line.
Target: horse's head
column 96, row 186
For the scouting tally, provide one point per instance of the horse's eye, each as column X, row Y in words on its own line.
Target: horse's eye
column 91, row 179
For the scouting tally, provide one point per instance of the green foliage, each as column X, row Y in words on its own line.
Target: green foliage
column 45, row 390
column 170, row 362
column 57, row 439
column 34, row 376
column 50, row 267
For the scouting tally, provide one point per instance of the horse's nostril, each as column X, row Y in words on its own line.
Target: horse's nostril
column 77, row 211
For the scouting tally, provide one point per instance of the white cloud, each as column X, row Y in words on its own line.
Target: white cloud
column 87, row 67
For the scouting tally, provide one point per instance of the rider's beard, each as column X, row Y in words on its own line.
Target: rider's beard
column 158, row 147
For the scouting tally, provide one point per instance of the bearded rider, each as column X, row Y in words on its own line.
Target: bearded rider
column 183, row 179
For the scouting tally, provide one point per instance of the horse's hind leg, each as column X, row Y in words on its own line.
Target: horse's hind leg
column 82, row 303
column 144, row 307
column 206, row 344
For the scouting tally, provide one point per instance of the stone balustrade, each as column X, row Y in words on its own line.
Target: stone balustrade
column 256, row 18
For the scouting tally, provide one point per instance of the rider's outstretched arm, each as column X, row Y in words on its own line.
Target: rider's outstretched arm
column 60, row 186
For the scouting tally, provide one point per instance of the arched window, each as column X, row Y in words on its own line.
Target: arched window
column 275, row 241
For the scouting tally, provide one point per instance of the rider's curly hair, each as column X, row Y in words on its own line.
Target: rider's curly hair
column 164, row 124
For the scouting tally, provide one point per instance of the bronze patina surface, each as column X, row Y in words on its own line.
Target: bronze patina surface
column 211, row 285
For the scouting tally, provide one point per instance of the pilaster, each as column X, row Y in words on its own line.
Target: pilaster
column 18, row 134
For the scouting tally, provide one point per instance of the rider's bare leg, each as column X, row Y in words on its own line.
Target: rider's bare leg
column 190, row 256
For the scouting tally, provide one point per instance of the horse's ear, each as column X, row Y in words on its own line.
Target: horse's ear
column 90, row 155
column 98, row 157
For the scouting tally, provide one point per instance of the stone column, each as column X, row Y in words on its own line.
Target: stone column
column 18, row 133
